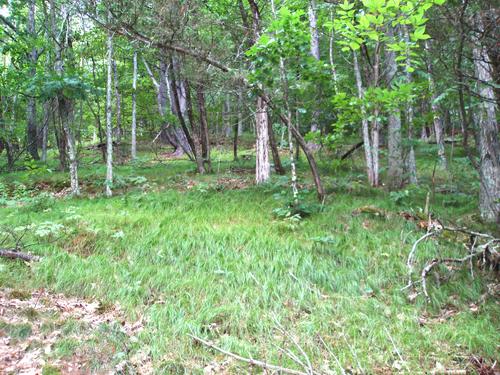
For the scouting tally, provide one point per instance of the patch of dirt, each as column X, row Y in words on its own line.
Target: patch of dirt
column 28, row 353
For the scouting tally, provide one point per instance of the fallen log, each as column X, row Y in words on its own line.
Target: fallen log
column 14, row 254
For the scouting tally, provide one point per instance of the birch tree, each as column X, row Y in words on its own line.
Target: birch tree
column 109, row 116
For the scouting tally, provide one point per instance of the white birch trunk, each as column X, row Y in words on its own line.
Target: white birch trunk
column 109, row 119
column 262, row 167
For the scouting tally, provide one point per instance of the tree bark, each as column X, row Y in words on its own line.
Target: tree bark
column 365, row 128
column 489, row 145
column 195, row 131
column 205, row 140
column 241, row 125
column 315, row 53
column 118, row 104
column 109, row 118
column 133, row 150
column 411, row 164
column 31, row 130
column 226, row 114
column 438, row 124
column 65, row 106
column 278, row 167
column 262, row 168
column 395, row 150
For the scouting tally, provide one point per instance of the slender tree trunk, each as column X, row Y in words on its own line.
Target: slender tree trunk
column 133, row 150
column 64, row 104
column 263, row 168
column 438, row 124
column 109, row 119
column 47, row 110
column 118, row 103
column 331, row 56
column 411, row 163
column 284, row 84
column 489, row 145
column 32, row 133
column 367, row 142
column 205, row 140
column 66, row 113
column 226, row 114
column 315, row 53
column 98, row 114
column 195, row 131
column 240, row 113
column 236, row 132
column 278, row 167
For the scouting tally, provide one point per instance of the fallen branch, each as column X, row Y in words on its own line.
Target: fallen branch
column 14, row 254
column 351, row 150
column 433, row 263
column 488, row 251
column 250, row 361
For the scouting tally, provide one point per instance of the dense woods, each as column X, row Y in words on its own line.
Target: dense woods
column 301, row 120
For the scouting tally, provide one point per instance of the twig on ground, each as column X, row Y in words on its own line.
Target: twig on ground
column 342, row 371
column 250, row 361
column 308, row 368
column 397, row 350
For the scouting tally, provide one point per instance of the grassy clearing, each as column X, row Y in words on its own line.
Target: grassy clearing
column 204, row 255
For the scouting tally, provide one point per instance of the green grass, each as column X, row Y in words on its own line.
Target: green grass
column 214, row 262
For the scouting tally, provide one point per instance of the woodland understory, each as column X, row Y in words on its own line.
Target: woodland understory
column 239, row 186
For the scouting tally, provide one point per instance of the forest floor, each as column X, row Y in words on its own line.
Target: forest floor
column 124, row 282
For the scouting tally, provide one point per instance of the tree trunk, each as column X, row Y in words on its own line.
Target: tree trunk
column 66, row 113
column 438, row 124
column 31, row 130
column 64, row 105
column 47, row 110
column 395, row 157
column 262, row 168
column 109, row 118
column 226, row 114
column 489, row 145
column 278, row 167
column 367, row 142
column 118, row 104
column 98, row 114
column 195, row 131
column 240, row 113
column 133, row 150
column 284, row 84
column 411, row 164
column 315, row 53
column 205, row 140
